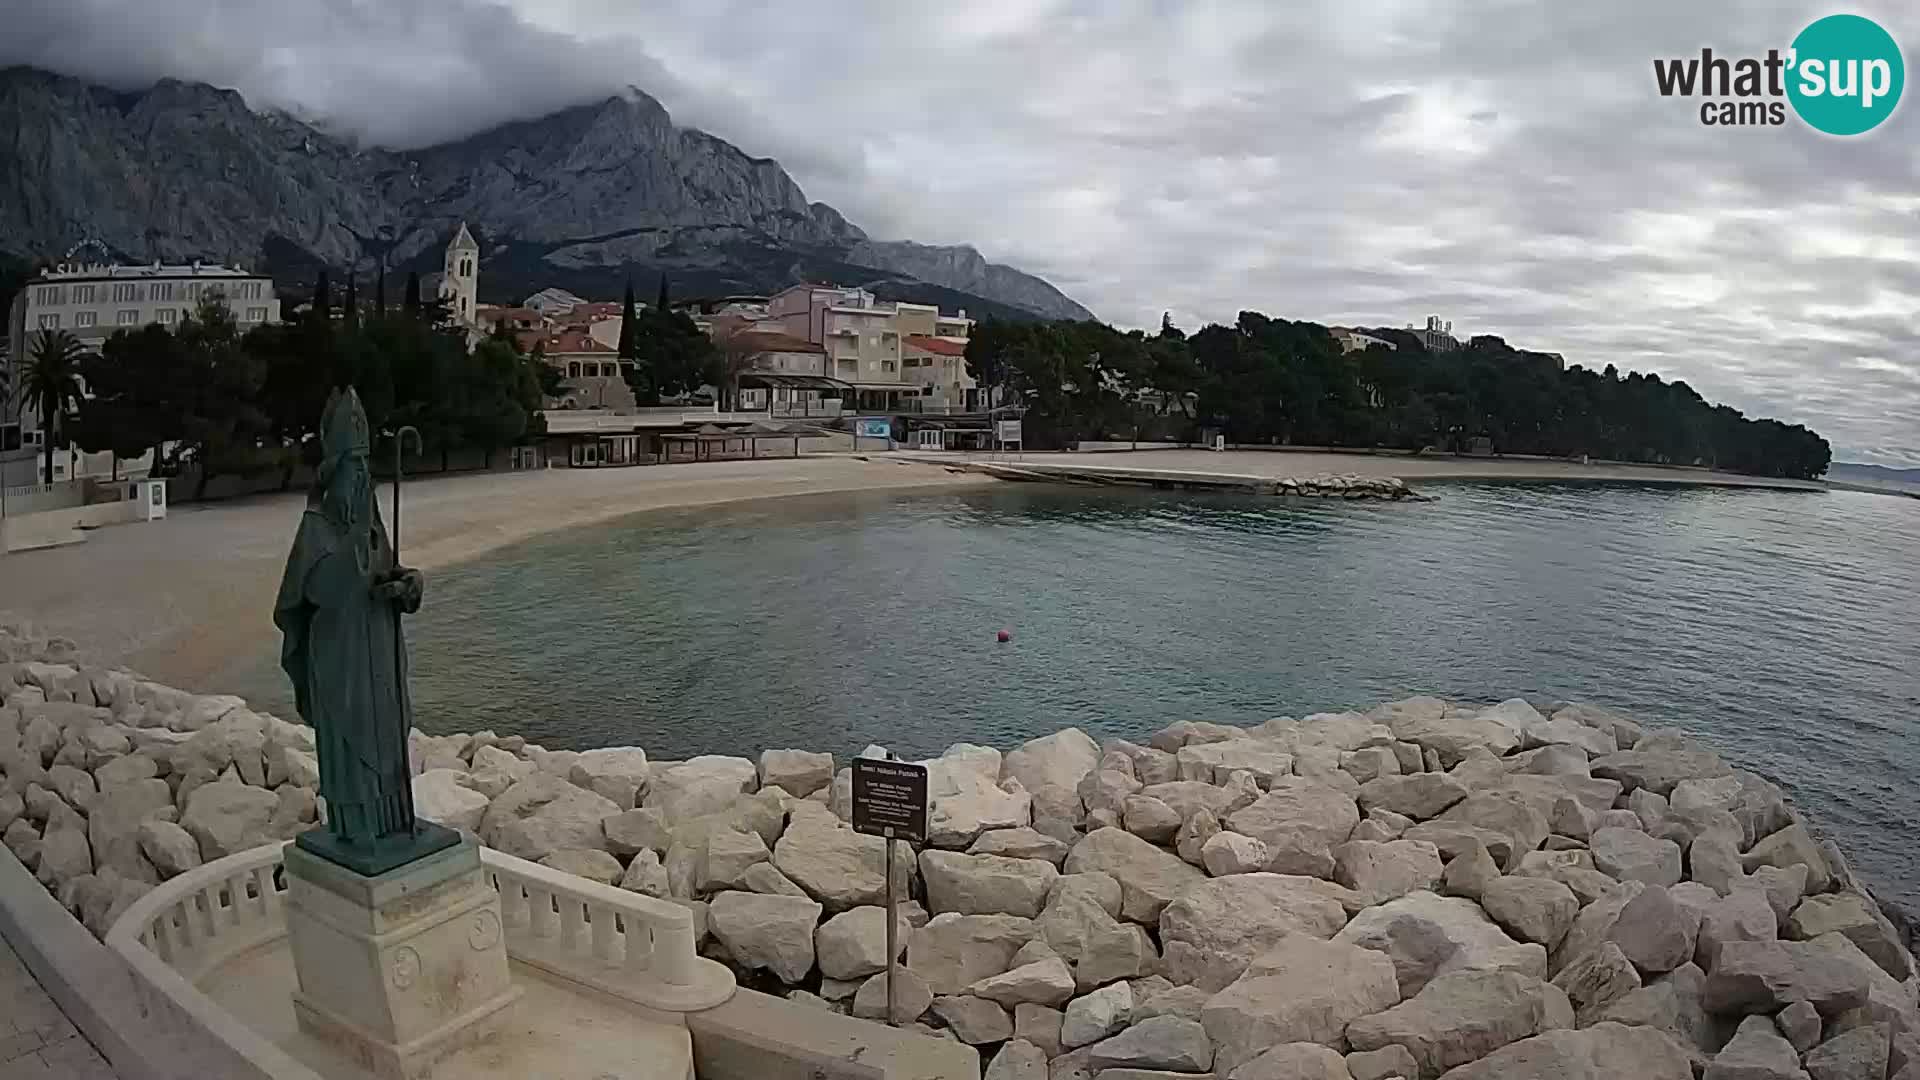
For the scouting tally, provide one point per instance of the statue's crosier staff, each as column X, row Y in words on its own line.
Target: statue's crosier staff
column 399, row 665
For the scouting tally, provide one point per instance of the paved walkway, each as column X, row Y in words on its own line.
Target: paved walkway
column 37, row 1042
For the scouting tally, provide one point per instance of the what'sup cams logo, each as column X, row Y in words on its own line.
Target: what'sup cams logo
column 1843, row 75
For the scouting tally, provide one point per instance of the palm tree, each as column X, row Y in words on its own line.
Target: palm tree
column 51, row 381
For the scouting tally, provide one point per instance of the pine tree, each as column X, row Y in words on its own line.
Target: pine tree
column 660, row 304
column 322, row 299
column 380, row 292
column 350, row 307
column 412, row 301
column 628, row 325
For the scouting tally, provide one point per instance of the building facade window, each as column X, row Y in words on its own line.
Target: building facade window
column 256, row 314
column 83, row 294
column 126, row 292
column 128, row 317
column 50, row 322
column 573, row 369
column 162, row 291
column 48, row 294
column 886, row 365
column 84, row 319
column 166, row 316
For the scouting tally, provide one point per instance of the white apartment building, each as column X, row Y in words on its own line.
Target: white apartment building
column 91, row 301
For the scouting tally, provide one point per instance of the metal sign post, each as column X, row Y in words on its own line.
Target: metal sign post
column 890, row 801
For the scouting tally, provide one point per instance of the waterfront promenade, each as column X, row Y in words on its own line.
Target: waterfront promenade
column 37, row 1041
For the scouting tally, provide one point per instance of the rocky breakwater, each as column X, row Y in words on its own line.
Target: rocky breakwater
column 1426, row 889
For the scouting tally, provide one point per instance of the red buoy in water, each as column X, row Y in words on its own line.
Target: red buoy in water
column 1005, row 636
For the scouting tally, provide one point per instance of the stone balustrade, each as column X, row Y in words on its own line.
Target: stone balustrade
column 635, row 947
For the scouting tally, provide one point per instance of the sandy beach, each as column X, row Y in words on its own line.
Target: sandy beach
column 178, row 599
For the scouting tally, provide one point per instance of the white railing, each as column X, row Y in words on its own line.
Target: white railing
column 631, row 946
column 621, row 943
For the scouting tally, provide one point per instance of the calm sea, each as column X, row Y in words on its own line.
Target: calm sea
column 1783, row 627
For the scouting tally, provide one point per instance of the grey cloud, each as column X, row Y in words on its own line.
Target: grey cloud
column 1508, row 165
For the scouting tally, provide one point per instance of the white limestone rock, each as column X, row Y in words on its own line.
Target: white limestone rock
column 1464, row 1016
column 440, row 796
column 1533, row 909
column 726, row 856
column 1506, row 812
column 761, row 877
column 113, row 826
column 1426, row 935
column 1381, row 1064
column 1168, row 1043
column 633, row 831
column 169, row 848
column 1756, row 1052
column 1051, row 768
column 1850, row 914
column 226, row 817
column 799, row 773
column 1656, row 933
column 1766, row 976
column 1470, row 872
column 835, row 865
column 1212, row 763
column 1858, row 1054
column 1792, row 846
column 952, row 952
column 1021, row 843
column 1079, row 924
column 1298, row 807
column 1044, row 982
column 1231, row 853
column 967, row 797
column 973, row 1020
column 63, row 851
column 1630, row 855
column 543, row 814
column 1191, row 841
column 1149, row 877
column 591, row 864
column 1597, row 978
column 1216, row 928
column 912, row 997
column 1039, row 1026
column 1659, row 770
column 1018, row 1059
column 771, row 932
column 1149, row 819
column 1302, row 990
column 647, row 876
column 1418, row 796
column 1601, row 1052
column 1381, row 872
column 853, row 944
column 1097, row 1015
column 616, row 773
column 1296, row 1061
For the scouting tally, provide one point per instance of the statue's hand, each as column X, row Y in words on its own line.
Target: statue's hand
column 404, row 587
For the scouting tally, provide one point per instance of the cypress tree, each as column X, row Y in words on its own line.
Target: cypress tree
column 627, row 349
column 350, row 307
column 412, row 300
column 322, row 299
column 380, row 292
column 661, row 304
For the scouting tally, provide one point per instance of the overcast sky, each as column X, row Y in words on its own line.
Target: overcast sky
column 1506, row 165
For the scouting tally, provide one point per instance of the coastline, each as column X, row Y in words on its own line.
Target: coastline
column 177, row 599
column 1278, row 463
column 189, row 593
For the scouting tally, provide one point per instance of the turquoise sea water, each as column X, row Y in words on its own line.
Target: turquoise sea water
column 1783, row 627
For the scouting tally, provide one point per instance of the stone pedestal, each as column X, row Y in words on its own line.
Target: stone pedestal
column 401, row 969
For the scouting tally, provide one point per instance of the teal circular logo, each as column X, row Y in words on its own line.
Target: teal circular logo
column 1846, row 74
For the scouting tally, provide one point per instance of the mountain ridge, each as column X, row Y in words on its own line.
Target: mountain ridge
column 590, row 194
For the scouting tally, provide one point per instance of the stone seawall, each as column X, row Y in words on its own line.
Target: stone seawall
column 1426, row 888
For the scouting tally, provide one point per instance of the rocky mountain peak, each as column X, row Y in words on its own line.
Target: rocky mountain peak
column 580, row 198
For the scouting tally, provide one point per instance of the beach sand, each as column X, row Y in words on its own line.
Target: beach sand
column 178, row 600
